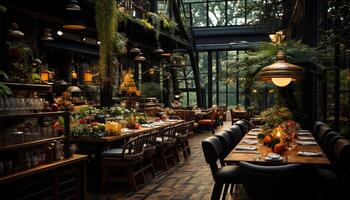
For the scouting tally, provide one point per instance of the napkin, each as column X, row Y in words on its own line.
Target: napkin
column 253, row 133
column 246, row 148
column 304, row 133
column 307, row 153
column 306, row 138
column 250, row 137
column 251, row 142
column 127, row 130
column 256, row 129
column 306, row 143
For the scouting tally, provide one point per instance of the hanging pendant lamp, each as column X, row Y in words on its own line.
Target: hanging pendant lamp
column 158, row 50
column 140, row 57
column 73, row 19
column 47, row 36
column 281, row 73
column 14, row 32
column 135, row 50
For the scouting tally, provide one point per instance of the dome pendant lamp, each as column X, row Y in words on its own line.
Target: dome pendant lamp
column 73, row 17
column 281, row 73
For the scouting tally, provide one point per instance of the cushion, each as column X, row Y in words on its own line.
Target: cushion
column 205, row 122
column 228, row 174
column 117, row 152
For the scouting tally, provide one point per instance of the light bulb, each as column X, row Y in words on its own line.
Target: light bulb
column 281, row 82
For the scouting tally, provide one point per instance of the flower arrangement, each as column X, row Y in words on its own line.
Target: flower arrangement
column 128, row 86
column 279, row 128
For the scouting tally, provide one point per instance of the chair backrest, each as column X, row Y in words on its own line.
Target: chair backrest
column 235, row 134
column 168, row 135
column 331, row 145
column 133, row 149
column 188, row 126
column 212, row 148
column 316, row 126
column 321, row 132
column 341, row 153
column 237, row 130
column 327, row 139
column 150, row 143
column 276, row 182
column 242, row 125
column 226, row 143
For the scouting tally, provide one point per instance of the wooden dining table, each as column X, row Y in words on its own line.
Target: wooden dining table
column 257, row 153
column 94, row 146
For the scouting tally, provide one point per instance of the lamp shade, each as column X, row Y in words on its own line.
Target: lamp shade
column 73, row 19
column 47, row 36
column 281, row 72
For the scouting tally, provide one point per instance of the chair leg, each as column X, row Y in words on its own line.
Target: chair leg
column 212, row 130
column 153, row 170
column 225, row 191
column 215, row 195
column 131, row 178
column 231, row 188
column 104, row 175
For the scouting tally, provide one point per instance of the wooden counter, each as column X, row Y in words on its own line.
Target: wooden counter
column 64, row 179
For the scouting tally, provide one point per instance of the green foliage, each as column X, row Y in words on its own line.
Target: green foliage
column 3, row 9
column 253, row 61
column 107, row 26
column 339, row 10
column 151, row 89
column 274, row 116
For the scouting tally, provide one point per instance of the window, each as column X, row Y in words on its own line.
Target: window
column 204, row 13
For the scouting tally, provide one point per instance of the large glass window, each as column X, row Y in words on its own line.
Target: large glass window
column 233, row 12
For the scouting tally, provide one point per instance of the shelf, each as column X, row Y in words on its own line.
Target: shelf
column 33, row 115
column 35, row 87
column 29, row 144
column 42, row 168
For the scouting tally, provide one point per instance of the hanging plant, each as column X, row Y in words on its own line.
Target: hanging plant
column 107, row 26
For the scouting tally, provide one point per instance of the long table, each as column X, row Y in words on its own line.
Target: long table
column 94, row 146
column 258, row 156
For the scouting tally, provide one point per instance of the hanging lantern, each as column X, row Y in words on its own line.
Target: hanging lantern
column 281, row 73
column 14, row 32
column 74, row 75
column 44, row 75
column 88, row 76
column 151, row 71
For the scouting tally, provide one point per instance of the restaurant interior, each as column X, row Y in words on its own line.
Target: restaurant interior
column 174, row 99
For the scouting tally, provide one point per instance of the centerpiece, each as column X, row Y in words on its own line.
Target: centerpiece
column 279, row 129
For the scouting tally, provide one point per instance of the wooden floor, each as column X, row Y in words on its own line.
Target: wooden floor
column 190, row 179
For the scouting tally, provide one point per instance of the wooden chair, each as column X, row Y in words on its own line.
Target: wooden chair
column 209, row 122
column 182, row 138
column 129, row 158
column 235, row 116
column 221, row 114
column 149, row 151
column 166, row 144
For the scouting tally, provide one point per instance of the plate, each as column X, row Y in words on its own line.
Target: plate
column 273, row 157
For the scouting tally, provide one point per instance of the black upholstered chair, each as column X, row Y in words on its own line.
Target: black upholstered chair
column 227, row 145
column 223, row 175
column 336, row 181
column 244, row 125
column 331, row 145
column 316, row 127
column 326, row 140
column 235, row 133
column 322, row 131
column 277, row 182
